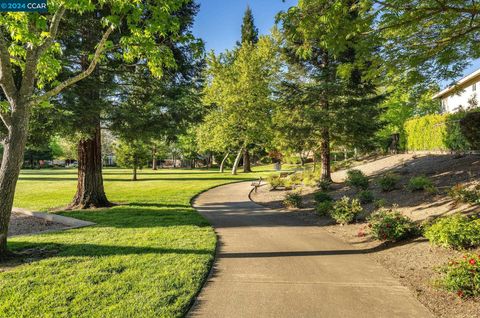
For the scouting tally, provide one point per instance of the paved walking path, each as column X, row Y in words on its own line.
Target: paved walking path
column 271, row 264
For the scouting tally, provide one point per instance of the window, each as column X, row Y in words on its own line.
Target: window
column 474, row 87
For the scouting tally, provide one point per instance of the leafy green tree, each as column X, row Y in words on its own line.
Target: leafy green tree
column 425, row 40
column 30, row 62
column 133, row 155
column 239, row 91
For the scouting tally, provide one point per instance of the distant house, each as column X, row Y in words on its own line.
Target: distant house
column 461, row 95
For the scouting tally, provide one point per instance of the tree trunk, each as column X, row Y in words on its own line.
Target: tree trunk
column 222, row 165
column 90, row 190
column 12, row 160
column 154, row 158
column 325, row 153
column 134, row 173
column 246, row 161
column 237, row 162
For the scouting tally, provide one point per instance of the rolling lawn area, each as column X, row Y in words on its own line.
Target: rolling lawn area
column 145, row 257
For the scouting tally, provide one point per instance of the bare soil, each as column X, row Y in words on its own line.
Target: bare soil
column 415, row 263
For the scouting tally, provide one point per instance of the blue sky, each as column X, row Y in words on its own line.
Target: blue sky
column 218, row 22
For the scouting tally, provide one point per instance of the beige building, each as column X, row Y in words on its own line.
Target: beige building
column 461, row 95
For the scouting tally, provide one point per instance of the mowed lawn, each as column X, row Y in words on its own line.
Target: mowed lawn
column 144, row 258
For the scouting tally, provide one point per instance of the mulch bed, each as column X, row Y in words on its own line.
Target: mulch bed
column 414, row 263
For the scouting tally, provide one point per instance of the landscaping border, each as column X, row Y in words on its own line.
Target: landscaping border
column 69, row 222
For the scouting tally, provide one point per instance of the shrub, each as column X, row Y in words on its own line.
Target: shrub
column 365, row 197
column 346, row 210
column 310, row 178
column 275, row 182
column 322, row 197
column 471, row 129
column 454, row 138
column 380, row 203
column 324, row 185
column 391, row 225
column 292, row 181
column 461, row 193
column 419, row 183
column 324, row 208
column 357, row 179
column 436, row 132
column 293, row 200
column 388, row 182
column 462, row 276
column 457, row 231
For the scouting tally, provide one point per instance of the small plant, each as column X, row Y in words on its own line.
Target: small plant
column 293, row 200
column 388, row 182
column 275, row 181
column 462, row 276
column 320, row 197
column 391, row 225
column 324, row 208
column 365, row 196
column 324, row 185
column 346, row 210
column 294, row 179
column 379, row 203
column 357, row 179
column 457, row 231
column 419, row 183
column 461, row 193
column 310, row 179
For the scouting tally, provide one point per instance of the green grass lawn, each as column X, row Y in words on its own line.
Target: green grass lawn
column 145, row 258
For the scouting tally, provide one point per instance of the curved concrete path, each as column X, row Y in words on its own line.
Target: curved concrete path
column 272, row 264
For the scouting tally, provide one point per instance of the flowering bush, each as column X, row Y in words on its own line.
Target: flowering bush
column 357, row 179
column 457, row 231
column 346, row 210
column 462, row 276
column 391, row 225
column 293, row 200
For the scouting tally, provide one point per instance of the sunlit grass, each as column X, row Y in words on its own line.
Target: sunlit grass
column 145, row 258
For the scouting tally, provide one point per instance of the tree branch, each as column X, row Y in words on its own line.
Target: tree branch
column 98, row 52
column 53, row 30
column 6, row 75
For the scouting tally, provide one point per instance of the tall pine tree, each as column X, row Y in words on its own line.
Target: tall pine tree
column 249, row 30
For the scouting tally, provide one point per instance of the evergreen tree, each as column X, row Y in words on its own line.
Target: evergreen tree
column 249, row 30
column 332, row 93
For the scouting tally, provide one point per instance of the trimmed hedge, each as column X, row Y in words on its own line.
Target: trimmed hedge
column 436, row 132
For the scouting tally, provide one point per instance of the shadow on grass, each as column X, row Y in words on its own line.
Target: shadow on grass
column 246, row 178
column 24, row 249
column 131, row 216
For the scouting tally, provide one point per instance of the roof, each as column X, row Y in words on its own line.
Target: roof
column 458, row 84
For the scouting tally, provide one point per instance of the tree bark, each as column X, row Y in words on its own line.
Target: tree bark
column 325, row 153
column 246, row 162
column 154, row 158
column 237, row 162
column 12, row 160
column 90, row 190
column 222, row 165
column 134, row 178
